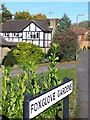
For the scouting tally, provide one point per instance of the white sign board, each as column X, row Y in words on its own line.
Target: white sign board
column 41, row 103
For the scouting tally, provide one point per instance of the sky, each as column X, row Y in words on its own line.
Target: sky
column 52, row 9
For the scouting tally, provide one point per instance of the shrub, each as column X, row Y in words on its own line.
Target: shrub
column 9, row 59
column 26, row 52
column 13, row 95
column 13, row 92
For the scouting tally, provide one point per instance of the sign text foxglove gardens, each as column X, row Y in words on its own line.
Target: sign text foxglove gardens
column 43, row 101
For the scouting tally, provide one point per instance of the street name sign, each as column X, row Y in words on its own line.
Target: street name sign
column 43, row 101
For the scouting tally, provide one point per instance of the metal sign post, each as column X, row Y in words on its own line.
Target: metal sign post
column 66, row 104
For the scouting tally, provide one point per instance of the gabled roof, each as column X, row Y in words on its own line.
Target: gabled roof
column 19, row 25
column 5, row 43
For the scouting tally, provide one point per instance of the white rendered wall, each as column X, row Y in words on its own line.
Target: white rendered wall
column 29, row 41
column 46, row 36
column 41, row 43
column 41, row 35
column 20, row 39
column 32, row 27
column 26, row 29
column 6, row 38
column 24, row 40
column 36, row 42
column 15, row 40
column 38, row 29
column 49, row 36
column 46, row 42
column 1, row 34
column 24, row 35
column 10, row 39
column 10, row 34
column 49, row 42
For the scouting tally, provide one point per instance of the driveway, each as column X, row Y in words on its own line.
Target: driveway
column 82, row 74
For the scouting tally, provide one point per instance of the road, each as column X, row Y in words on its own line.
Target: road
column 82, row 74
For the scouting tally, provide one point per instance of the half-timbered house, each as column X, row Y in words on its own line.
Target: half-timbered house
column 38, row 32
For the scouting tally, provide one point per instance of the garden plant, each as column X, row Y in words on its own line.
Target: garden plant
column 14, row 90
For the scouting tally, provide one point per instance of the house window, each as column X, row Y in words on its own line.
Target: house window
column 37, row 35
column 16, row 34
column 8, row 34
column 28, row 35
column 33, row 35
column 4, row 34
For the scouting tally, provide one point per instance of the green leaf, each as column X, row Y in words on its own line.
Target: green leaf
column 57, row 58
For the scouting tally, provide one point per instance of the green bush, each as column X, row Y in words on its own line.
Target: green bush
column 26, row 52
column 9, row 59
column 13, row 95
column 13, row 91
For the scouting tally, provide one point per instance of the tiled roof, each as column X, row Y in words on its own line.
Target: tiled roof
column 44, row 24
column 19, row 25
column 79, row 30
column 5, row 43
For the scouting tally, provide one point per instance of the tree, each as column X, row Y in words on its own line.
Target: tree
column 23, row 15
column 63, row 24
column 66, row 39
column 6, row 14
column 39, row 16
